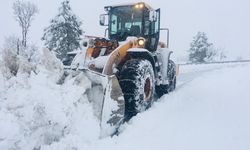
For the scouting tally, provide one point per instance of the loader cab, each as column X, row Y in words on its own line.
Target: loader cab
column 134, row 20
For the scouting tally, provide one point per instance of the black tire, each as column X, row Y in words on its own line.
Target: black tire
column 161, row 90
column 164, row 89
column 172, row 76
column 137, row 83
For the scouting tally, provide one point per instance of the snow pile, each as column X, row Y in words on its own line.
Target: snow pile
column 37, row 113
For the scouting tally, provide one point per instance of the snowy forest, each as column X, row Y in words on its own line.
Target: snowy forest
column 104, row 75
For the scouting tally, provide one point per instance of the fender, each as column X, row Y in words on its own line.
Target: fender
column 163, row 57
column 126, row 48
column 142, row 54
column 116, row 57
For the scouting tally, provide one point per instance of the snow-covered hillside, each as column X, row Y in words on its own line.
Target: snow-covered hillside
column 208, row 110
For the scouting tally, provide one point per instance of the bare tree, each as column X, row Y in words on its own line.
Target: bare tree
column 24, row 12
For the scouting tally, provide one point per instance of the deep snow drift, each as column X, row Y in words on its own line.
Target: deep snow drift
column 208, row 110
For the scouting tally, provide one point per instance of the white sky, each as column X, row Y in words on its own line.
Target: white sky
column 226, row 22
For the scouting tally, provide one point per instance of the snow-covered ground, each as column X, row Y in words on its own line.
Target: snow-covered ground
column 209, row 110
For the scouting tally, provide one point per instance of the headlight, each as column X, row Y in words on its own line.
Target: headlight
column 139, row 5
column 141, row 42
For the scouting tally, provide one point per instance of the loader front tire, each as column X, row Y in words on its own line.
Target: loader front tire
column 137, row 83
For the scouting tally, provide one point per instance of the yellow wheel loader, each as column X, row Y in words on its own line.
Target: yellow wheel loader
column 129, row 69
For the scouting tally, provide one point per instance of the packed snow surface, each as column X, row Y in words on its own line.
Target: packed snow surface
column 209, row 110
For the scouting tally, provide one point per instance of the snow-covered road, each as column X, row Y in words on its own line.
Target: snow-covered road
column 209, row 110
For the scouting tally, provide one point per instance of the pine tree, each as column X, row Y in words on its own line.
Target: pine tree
column 200, row 49
column 63, row 35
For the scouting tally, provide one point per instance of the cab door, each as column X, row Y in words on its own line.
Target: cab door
column 154, row 32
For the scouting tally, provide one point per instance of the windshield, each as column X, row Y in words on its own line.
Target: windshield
column 125, row 21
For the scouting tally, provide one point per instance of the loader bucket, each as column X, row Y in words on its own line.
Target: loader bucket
column 107, row 98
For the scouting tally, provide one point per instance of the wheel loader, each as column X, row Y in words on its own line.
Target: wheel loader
column 129, row 68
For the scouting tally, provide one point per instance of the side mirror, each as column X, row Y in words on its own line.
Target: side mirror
column 166, row 29
column 152, row 16
column 85, row 44
column 104, row 19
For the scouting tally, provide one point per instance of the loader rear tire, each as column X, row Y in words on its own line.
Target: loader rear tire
column 172, row 76
column 137, row 83
column 164, row 89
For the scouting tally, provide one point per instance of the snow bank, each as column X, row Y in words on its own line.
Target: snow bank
column 37, row 113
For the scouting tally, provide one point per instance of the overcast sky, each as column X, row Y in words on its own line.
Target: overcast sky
column 226, row 22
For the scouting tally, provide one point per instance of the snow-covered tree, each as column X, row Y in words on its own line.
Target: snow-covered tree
column 13, row 44
column 11, row 50
column 29, row 52
column 200, row 49
column 63, row 34
column 24, row 12
column 16, row 58
column 222, row 54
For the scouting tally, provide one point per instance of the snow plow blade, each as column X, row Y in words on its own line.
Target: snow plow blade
column 107, row 98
